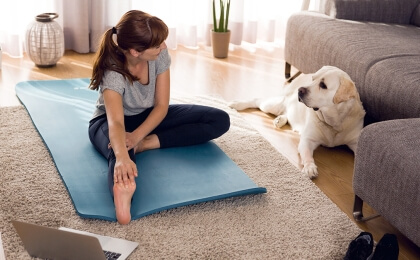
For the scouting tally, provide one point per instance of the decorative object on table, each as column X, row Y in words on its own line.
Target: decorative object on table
column 45, row 40
column 220, row 35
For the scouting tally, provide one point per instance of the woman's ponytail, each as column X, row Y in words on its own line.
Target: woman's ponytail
column 108, row 57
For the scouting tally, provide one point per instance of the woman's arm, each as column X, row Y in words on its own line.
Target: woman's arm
column 125, row 169
column 158, row 113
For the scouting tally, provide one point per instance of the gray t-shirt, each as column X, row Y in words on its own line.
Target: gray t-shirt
column 136, row 97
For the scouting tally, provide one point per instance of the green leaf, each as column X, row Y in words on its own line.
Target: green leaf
column 222, row 16
column 214, row 17
column 227, row 15
column 222, row 26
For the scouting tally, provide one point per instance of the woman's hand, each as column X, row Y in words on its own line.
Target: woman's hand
column 131, row 140
column 125, row 171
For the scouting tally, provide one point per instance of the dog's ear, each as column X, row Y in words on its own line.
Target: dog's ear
column 347, row 90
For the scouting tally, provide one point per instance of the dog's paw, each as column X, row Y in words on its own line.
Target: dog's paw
column 310, row 170
column 238, row 105
column 280, row 121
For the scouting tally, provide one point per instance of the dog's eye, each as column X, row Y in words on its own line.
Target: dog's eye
column 322, row 85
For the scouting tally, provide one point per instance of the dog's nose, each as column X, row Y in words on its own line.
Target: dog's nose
column 302, row 91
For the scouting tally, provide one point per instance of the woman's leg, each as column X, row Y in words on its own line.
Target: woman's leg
column 191, row 124
column 99, row 136
column 184, row 125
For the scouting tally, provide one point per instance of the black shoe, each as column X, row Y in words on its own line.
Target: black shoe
column 360, row 248
column 387, row 248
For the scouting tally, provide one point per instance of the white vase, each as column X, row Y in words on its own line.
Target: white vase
column 45, row 40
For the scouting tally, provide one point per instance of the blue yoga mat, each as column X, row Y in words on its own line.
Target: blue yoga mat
column 168, row 178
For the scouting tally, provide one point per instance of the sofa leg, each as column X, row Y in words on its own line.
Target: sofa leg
column 287, row 70
column 358, row 210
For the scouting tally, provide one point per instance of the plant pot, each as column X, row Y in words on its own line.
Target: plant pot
column 220, row 44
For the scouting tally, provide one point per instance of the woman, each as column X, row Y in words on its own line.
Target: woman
column 133, row 112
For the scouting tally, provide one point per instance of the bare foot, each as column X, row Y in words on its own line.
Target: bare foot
column 122, row 201
column 148, row 143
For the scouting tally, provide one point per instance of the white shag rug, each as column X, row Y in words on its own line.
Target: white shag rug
column 293, row 220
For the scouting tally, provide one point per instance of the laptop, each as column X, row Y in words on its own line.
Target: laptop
column 66, row 243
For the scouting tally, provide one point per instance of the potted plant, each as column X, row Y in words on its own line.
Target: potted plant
column 220, row 35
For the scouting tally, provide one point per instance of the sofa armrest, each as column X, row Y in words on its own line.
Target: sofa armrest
column 383, row 11
column 386, row 172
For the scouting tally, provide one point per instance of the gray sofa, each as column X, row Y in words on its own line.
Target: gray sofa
column 377, row 42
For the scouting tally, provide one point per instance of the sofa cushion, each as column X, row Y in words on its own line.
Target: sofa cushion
column 400, row 98
column 384, row 11
column 314, row 40
column 386, row 172
column 415, row 17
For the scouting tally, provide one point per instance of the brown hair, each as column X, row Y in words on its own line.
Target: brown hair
column 135, row 30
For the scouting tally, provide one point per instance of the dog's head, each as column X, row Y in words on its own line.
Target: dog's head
column 330, row 85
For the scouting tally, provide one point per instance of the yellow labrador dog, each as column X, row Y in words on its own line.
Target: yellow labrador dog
column 324, row 108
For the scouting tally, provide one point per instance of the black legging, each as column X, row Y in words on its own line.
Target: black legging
column 183, row 125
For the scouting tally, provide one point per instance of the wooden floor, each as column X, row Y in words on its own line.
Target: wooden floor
column 248, row 72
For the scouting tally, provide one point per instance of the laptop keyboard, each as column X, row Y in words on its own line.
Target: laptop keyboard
column 111, row 255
